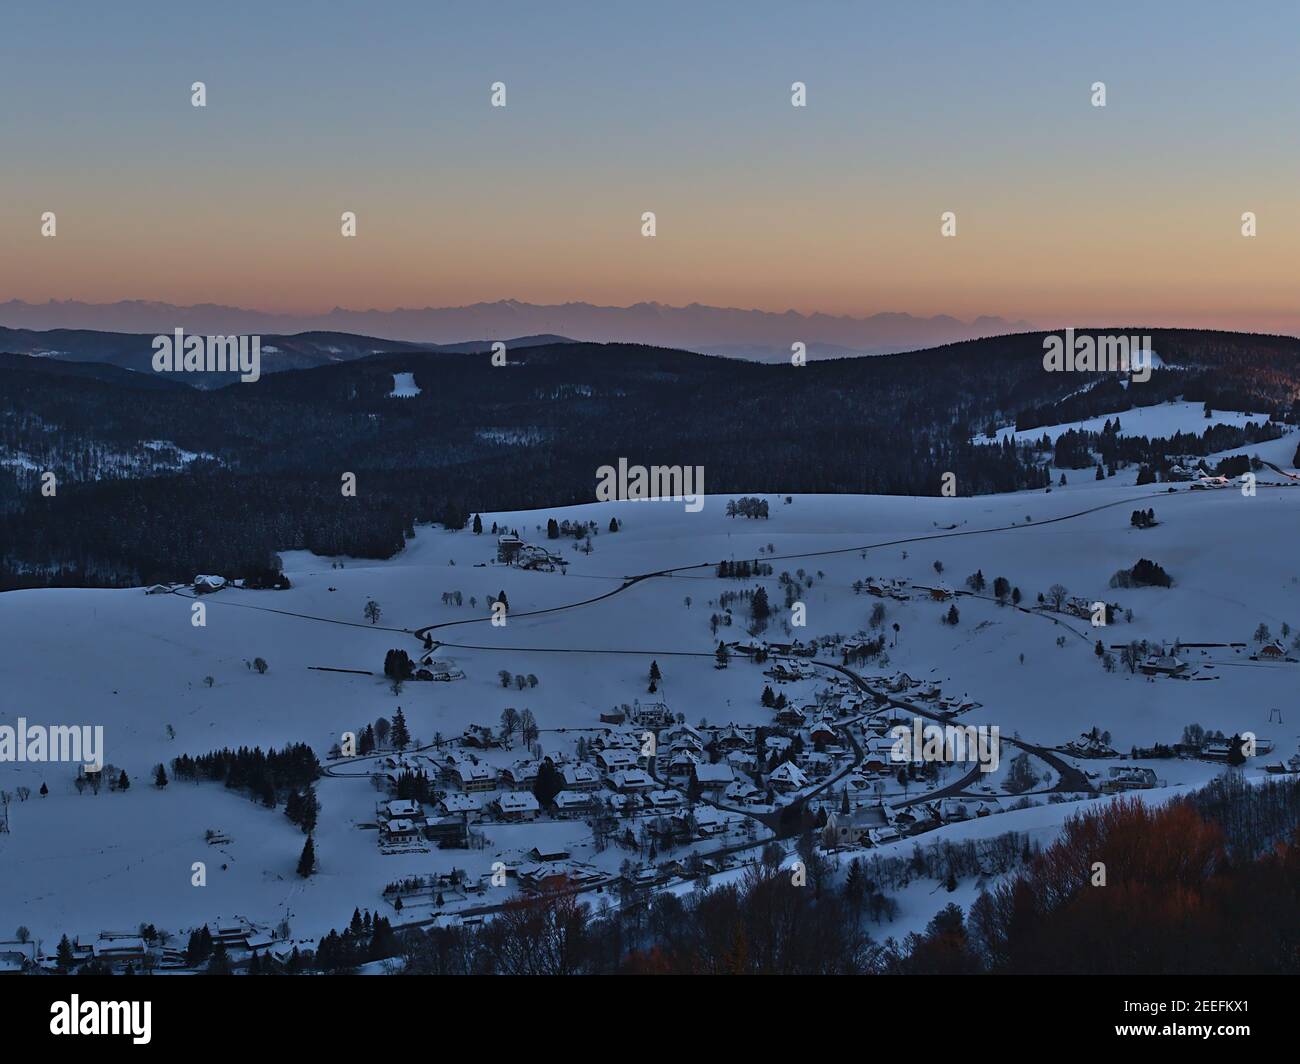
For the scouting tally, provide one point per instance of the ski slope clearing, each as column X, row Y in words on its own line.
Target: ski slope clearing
column 1153, row 422
column 404, row 386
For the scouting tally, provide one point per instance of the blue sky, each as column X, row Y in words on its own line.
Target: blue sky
column 680, row 108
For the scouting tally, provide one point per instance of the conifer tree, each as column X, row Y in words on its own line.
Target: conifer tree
column 307, row 862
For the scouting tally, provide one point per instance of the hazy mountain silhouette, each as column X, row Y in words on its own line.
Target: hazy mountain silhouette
column 755, row 334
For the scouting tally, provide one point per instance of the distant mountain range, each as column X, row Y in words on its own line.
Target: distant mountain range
column 752, row 334
column 134, row 351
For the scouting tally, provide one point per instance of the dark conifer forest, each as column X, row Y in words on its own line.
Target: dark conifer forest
column 158, row 481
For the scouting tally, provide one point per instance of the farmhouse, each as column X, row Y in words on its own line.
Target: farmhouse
column 782, row 672
column 1129, row 778
column 683, row 736
column 508, row 548
column 1163, row 665
column 823, row 733
column 787, row 777
column 479, row 736
column 731, row 738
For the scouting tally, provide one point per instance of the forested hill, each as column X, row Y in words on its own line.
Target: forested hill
column 157, row 480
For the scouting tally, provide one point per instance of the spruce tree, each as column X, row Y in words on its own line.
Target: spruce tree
column 307, row 862
column 400, row 736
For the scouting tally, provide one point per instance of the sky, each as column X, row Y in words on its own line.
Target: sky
column 1066, row 213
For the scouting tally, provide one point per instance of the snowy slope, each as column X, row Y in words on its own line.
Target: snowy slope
column 135, row 664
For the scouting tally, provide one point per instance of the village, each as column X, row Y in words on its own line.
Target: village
column 674, row 773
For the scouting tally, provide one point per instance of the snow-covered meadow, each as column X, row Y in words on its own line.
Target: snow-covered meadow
column 137, row 665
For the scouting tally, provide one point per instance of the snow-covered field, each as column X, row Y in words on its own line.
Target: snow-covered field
column 135, row 663
column 1160, row 421
column 404, row 386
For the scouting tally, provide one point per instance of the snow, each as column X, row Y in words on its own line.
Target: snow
column 404, row 386
column 1162, row 420
column 136, row 664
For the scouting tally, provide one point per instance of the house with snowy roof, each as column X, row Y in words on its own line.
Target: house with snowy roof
column 713, row 777
column 787, row 777
column 516, row 806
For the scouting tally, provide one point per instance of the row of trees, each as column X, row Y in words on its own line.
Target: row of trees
column 381, row 734
column 747, row 506
column 261, row 775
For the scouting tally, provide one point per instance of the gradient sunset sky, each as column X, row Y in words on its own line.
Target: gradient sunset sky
column 1066, row 213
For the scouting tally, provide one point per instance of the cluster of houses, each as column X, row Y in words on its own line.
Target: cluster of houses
column 651, row 766
column 431, row 668
column 201, row 585
column 1168, row 663
column 1090, row 745
column 1077, row 606
column 123, row 950
column 878, row 823
column 892, row 588
column 511, row 550
column 784, row 669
